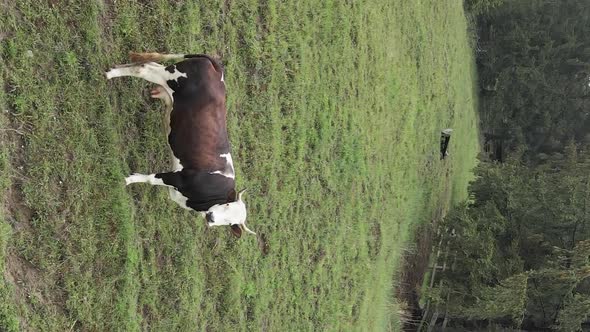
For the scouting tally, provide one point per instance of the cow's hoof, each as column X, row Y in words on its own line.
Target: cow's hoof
column 131, row 179
column 135, row 178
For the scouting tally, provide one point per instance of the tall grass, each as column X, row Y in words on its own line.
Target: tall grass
column 335, row 111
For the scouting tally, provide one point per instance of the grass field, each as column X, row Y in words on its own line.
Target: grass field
column 335, row 110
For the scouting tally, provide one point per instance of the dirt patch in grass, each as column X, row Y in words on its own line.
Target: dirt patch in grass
column 414, row 266
column 375, row 243
column 263, row 244
column 28, row 282
column 26, row 279
column 30, row 287
column 16, row 212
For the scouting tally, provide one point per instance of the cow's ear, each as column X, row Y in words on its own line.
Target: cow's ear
column 232, row 196
column 236, row 230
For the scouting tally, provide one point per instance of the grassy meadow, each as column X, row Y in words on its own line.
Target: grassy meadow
column 334, row 110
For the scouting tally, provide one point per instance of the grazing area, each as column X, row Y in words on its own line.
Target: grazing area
column 335, row 110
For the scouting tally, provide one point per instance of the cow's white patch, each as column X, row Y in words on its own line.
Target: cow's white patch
column 228, row 170
column 222, row 77
column 178, row 197
column 151, row 179
column 228, row 214
column 176, row 165
column 151, row 71
column 174, row 76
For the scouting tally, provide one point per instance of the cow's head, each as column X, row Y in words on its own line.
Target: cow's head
column 232, row 213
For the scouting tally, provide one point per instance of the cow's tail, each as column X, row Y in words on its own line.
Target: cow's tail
column 157, row 57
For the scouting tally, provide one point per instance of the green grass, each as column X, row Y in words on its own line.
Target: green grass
column 335, row 110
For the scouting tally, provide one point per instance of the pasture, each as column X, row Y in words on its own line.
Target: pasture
column 334, row 112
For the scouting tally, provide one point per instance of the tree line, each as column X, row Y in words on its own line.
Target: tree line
column 533, row 61
column 519, row 249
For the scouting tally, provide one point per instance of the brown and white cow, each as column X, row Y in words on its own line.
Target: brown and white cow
column 202, row 176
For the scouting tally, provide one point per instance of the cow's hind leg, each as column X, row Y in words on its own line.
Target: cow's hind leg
column 151, row 71
column 145, row 178
column 169, row 179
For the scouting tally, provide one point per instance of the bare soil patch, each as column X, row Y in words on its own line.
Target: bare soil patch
column 414, row 266
column 415, row 263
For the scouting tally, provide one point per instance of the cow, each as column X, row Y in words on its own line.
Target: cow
column 445, row 137
column 203, row 176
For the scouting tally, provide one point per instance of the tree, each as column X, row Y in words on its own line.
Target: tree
column 507, row 300
column 574, row 313
column 482, row 6
column 537, row 53
column 522, row 246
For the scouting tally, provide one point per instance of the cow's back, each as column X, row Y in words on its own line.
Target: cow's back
column 198, row 134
